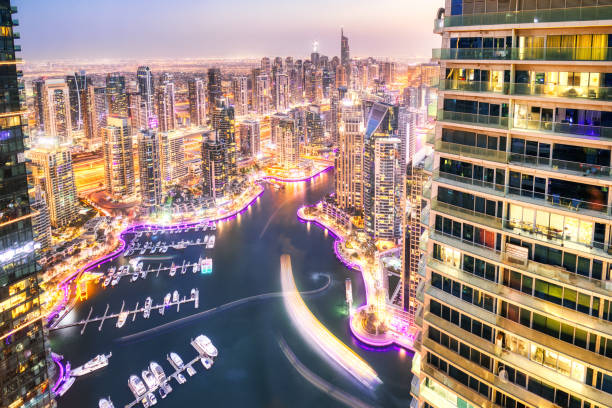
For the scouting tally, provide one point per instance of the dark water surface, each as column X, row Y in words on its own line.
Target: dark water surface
column 251, row 370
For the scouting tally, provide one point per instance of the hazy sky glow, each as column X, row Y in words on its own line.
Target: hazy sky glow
column 52, row 29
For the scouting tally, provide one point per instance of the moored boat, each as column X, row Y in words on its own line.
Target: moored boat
column 137, row 386
column 204, row 346
column 96, row 363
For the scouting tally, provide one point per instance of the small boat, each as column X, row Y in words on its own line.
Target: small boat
column 193, row 293
column 167, row 299
column 173, row 269
column 137, row 386
column 143, row 274
column 122, row 318
column 147, row 307
column 65, row 386
column 145, row 402
column 105, row 403
column 211, row 242
column 181, row 378
column 166, row 387
column 207, row 362
column 164, row 249
column 94, row 364
column 175, row 296
column 150, row 380
column 206, row 239
column 176, row 361
column 115, row 280
column 162, row 393
column 152, row 399
column 191, row 371
column 183, row 269
column 195, row 268
column 107, row 281
column 134, row 277
column 204, row 346
column 157, row 371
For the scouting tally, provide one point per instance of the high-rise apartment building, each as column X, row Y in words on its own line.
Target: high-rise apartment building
column 314, row 85
column 197, row 101
column 345, row 52
column 52, row 170
column 250, row 138
column 240, row 89
column 349, row 160
column 516, row 299
column 118, row 159
column 215, row 172
column 23, row 371
column 281, row 92
column 149, row 164
column 382, row 179
column 289, row 143
column 41, row 221
column 261, row 94
column 77, row 87
column 56, row 110
column 146, row 89
column 116, row 95
column 166, row 115
column 266, row 66
column 215, row 90
column 224, row 124
column 38, row 94
column 314, row 135
column 173, row 165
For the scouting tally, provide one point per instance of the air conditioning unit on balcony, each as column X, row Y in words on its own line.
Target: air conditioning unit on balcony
column 503, row 376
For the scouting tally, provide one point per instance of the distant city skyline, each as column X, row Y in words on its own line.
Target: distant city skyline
column 113, row 29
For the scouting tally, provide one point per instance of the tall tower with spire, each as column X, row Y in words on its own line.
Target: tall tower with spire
column 345, row 54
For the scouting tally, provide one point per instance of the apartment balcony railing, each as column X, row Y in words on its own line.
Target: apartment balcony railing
column 475, row 248
column 425, row 216
column 564, row 128
column 470, row 183
column 531, row 16
column 469, row 215
column 543, row 90
column 428, row 165
column 422, row 266
column 414, row 386
column 596, row 209
column 569, row 167
column 497, row 122
column 524, row 54
column 15, row 22
column 431, row 137
column 563, row 91
column 471, row 151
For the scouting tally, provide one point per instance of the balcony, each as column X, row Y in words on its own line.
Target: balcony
column 555, row 201
column 588, row 131
column 425, row 216
column 428, row 165
column 524, row 54
column 481, row 186
column 15, row 22
column 530, row 17
column 466, row 246
column 423, row 241
column 563, row 91
column 496, row 122
column 427, row 190
column 474, row 86
column 431, row 137
column 414, row 386
column 562, row 166
column 471, row 151
column 465, row 214
column 422, row 266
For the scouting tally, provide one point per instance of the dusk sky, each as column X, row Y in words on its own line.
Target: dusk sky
column 52, row 29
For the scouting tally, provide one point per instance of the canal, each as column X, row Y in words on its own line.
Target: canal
column 251, row 370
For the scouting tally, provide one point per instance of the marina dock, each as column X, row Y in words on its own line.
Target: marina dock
column 129, row 271
column 195, row 298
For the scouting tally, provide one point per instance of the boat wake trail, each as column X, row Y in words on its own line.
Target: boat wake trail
column 143, row 335
column 265, row 228
column 334, row 392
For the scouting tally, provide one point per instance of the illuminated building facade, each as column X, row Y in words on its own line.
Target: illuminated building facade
column 172, row 147
column 349, row 160
column 516, row 297
column 52, row 170
column 250, row 134
column 41, row 221
column 165, row 104
column 289, row 144
column 314, row 85
column 281, row 92
column 56, row 108
column 314, row 132
column 197, row 101
column 215, row 90
column 23, row 372
column 149, row 164
column 240, row 89
column 261, row 94
column 77, row 88
column 146, row 89
column 224, row 124
column 118, row 159
column 116, row 95
column 215, row 172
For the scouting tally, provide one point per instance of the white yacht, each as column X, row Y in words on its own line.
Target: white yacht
column 206, row 239
column 176, row 361
column 147, row 307
column 181, row 378
column 94, row 364
column 105, row 403
column 137, row 386
column 107, row 281
column 152, row 399
column 207, row 362
column 167, row 299
column 157, row 371
column 211, row 242
column 195, row 268
column 134, row 277
column 172, row 269
column 204, row 346
column 115, row 280
column 65, row 386
column 150, row 380
column 175, row 296
column 122, row 318
column 191, row 371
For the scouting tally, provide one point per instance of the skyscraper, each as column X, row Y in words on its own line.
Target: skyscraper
column 165, row 104
column 289, row 143
column 383, row 180
column 215, row 172
column 515, row 305
column 266, row 66
column 56, row 108
column 345, row 53
column 173, row 165
column 261, row 94
column 38, row 93
column 197, row 101
column 240, row 89
column 314, row 132
column 224, row 124
column 149, row 163
column 41, row 222
column 349, row 160
column 281, row 92
column 52, row 165
column 23, row 371
column 91, row 134
column 215, row 91
column 118, row 159
column 77, row 87
column 116, row 95
column 250, row 143
column 146, row 88
column 314, row 85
